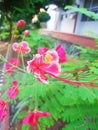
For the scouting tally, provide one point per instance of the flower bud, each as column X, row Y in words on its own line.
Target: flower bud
column 21, row 23
column 26, row 33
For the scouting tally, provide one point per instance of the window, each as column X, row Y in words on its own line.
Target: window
column 91, row 5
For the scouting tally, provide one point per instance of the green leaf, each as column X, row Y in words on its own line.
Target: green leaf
column 25, row 127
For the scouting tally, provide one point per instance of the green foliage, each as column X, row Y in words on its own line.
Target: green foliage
column 36, row 40
column 87, row 53
column 25, row 9
column 4, row 35
column 86, row 119
column 16, row 10
column 4, row 29
column 25, row 127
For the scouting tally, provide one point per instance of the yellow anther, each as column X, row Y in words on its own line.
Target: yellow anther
column 48, row 59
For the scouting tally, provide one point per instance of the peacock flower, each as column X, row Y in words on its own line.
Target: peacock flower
column 14, row 90
column 47, row 62
column 21, row 47
column 41, row 65
column 3, row 109
column 21, row 23
column 33, row 117
column 11, row 65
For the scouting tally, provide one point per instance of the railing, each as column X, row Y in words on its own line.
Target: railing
column 72, row 38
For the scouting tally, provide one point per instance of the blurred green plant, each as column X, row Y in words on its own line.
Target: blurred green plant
column 36, row 40
column 43, row 16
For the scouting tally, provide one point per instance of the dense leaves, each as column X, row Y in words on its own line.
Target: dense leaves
column 84, row 11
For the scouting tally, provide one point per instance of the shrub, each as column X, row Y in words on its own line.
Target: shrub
column 43, row 17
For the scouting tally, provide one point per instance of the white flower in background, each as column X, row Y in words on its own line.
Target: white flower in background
column 35, row 18
column 42, row 10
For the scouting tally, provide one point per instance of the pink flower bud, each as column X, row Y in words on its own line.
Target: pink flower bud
column 15, row 83
column 21, row 23
column 13, row 92
column 26, row 32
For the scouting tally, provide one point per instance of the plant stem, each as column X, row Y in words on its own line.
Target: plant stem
column 22, row 61
column 35, row 96
column 38, row 126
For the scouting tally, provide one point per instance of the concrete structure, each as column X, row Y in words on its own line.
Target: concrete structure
column 73, row 22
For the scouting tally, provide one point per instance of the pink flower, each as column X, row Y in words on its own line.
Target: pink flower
column 21, row 23
column 13, row 91
column 3, row 109
column 47, row 63
column 26, row 33
column 21, row 47
column 62, row 53
column 41, row 65
column 33, row 117
column 12, row 63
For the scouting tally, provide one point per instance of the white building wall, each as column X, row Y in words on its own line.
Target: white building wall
column 88, row 27
column 84, row 27
column 67, row 25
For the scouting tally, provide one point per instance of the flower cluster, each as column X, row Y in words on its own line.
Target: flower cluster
column 43, row 64
column 11, row 66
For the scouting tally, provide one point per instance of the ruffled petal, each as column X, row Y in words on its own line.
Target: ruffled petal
column 53, row 68
column 62, row 53
column 15, row 47
column 44, row 114
column 42, row 51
